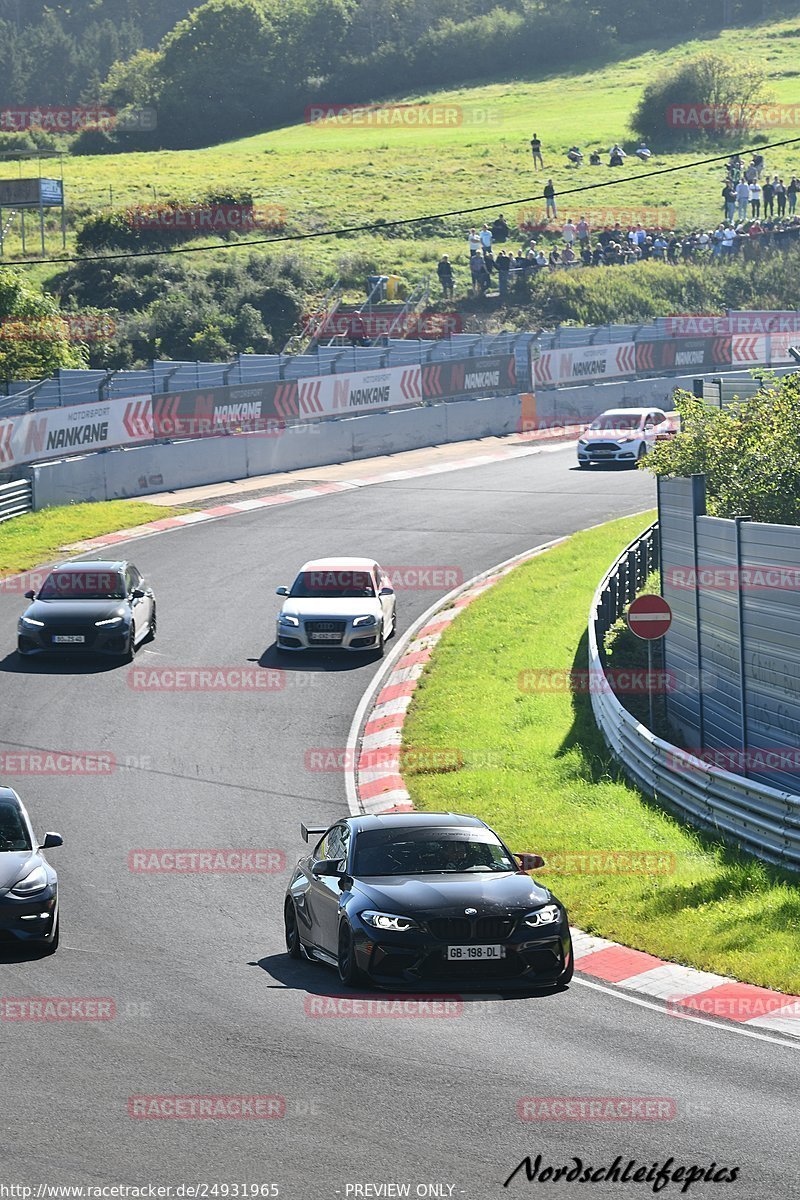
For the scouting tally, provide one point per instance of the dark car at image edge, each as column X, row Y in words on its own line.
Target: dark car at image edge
column 417, row 900
column 29, row 909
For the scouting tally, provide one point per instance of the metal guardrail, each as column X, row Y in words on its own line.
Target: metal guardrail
column 762, row 820
column 15, row 499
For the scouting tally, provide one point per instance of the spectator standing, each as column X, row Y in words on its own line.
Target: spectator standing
column 728, row 200
column 779, row 191
column 755, row 198
column 767, row 197
column 486, row 238
column 728, row 241
column 758, row 163
column 742, row 198
column 480, row 279
column 751, row 174
column 549, row 193
column 500, row 229
column 474, row 241
column 659, row 247
column 503, row 266
column 569, row 232
column 536, row 151
column 582, row 230
column 445, row 272
column 792, row 189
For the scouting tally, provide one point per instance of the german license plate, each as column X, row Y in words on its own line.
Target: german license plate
column 72, row 639
column 325, row 637
column 470, row 953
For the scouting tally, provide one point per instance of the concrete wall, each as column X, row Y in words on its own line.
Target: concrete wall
column 140, row 471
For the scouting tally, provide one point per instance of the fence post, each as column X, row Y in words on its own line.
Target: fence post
column 738, row 522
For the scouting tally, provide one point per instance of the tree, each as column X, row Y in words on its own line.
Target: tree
column 34, row 340
column 749, row 452
column 709, row 95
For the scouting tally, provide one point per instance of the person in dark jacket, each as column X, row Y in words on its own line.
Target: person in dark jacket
column 445, row 272
column 500, row 229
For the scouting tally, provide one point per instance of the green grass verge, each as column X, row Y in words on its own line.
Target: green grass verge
column 534, row 766
column 36, row 538
column 334, row 175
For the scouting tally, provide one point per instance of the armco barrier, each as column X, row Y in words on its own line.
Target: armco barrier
column 15, row 499
column 763, row 820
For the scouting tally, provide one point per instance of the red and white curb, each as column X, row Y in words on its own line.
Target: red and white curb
column 376, row 737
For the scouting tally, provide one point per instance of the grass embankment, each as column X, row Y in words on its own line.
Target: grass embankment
column 329, row 175
column 535, row 767
column 36, row 538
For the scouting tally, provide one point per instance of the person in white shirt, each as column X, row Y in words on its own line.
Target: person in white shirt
column 474, row 240
column 486, row 238
column 568, row 232
column 642, row 152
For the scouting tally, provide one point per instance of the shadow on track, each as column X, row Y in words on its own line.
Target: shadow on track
column 44, row 664
column 318, row 979
column 320, row 661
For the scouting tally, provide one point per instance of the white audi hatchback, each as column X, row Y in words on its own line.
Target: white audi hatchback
column 337, row 604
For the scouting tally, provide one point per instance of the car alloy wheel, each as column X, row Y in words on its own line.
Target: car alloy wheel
column 152, row 627
column 348, row 971
column 292, row 932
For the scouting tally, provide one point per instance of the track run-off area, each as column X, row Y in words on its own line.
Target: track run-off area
column 204, row 1000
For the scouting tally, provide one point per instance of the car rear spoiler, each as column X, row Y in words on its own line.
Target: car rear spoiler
column 307, row 829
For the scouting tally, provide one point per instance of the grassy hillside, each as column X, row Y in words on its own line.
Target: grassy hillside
column 325, row 175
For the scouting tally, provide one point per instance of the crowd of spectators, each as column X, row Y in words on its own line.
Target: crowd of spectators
column 759, row 214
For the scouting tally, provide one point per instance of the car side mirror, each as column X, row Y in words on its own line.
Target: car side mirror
column 30, row 595
column 138, row 594
column 282, row 591
column 530, row 862
column 51, row 840
column 386, row 591
column 327, row 866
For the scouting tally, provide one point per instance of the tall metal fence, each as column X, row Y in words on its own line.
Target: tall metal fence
column 763, row 820
column 734, row 644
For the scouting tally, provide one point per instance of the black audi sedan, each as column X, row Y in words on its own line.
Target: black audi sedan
column 98, row 607
column 425, row 899
column 28, row 884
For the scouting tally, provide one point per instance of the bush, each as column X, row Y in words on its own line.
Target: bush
column 730, row 88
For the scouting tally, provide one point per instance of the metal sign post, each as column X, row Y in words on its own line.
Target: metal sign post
column 649, row 617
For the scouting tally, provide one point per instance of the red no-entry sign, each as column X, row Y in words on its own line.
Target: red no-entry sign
column 649, row 617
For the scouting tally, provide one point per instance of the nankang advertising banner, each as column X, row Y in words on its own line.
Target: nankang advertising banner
column 358, row 392
column 243, row 408
column 79, row 429
column 481, row 375
column 580, row 363
column 683, row 354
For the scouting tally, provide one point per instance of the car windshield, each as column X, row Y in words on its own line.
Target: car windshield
column 429, row 852
column 72, row 584
column 617, row 421
column 13, row 834
column 332, row 584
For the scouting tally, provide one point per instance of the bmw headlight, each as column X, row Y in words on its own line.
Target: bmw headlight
column 367, row 619
column 110, row 621
column 35, row 882
column 287, row 619
column 381, row 920
column 31, row 621
column 543, row 916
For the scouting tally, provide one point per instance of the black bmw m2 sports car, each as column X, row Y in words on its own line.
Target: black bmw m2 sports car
column 425, row 899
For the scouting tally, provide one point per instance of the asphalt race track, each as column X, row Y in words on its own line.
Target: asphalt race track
column 206, row 1001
